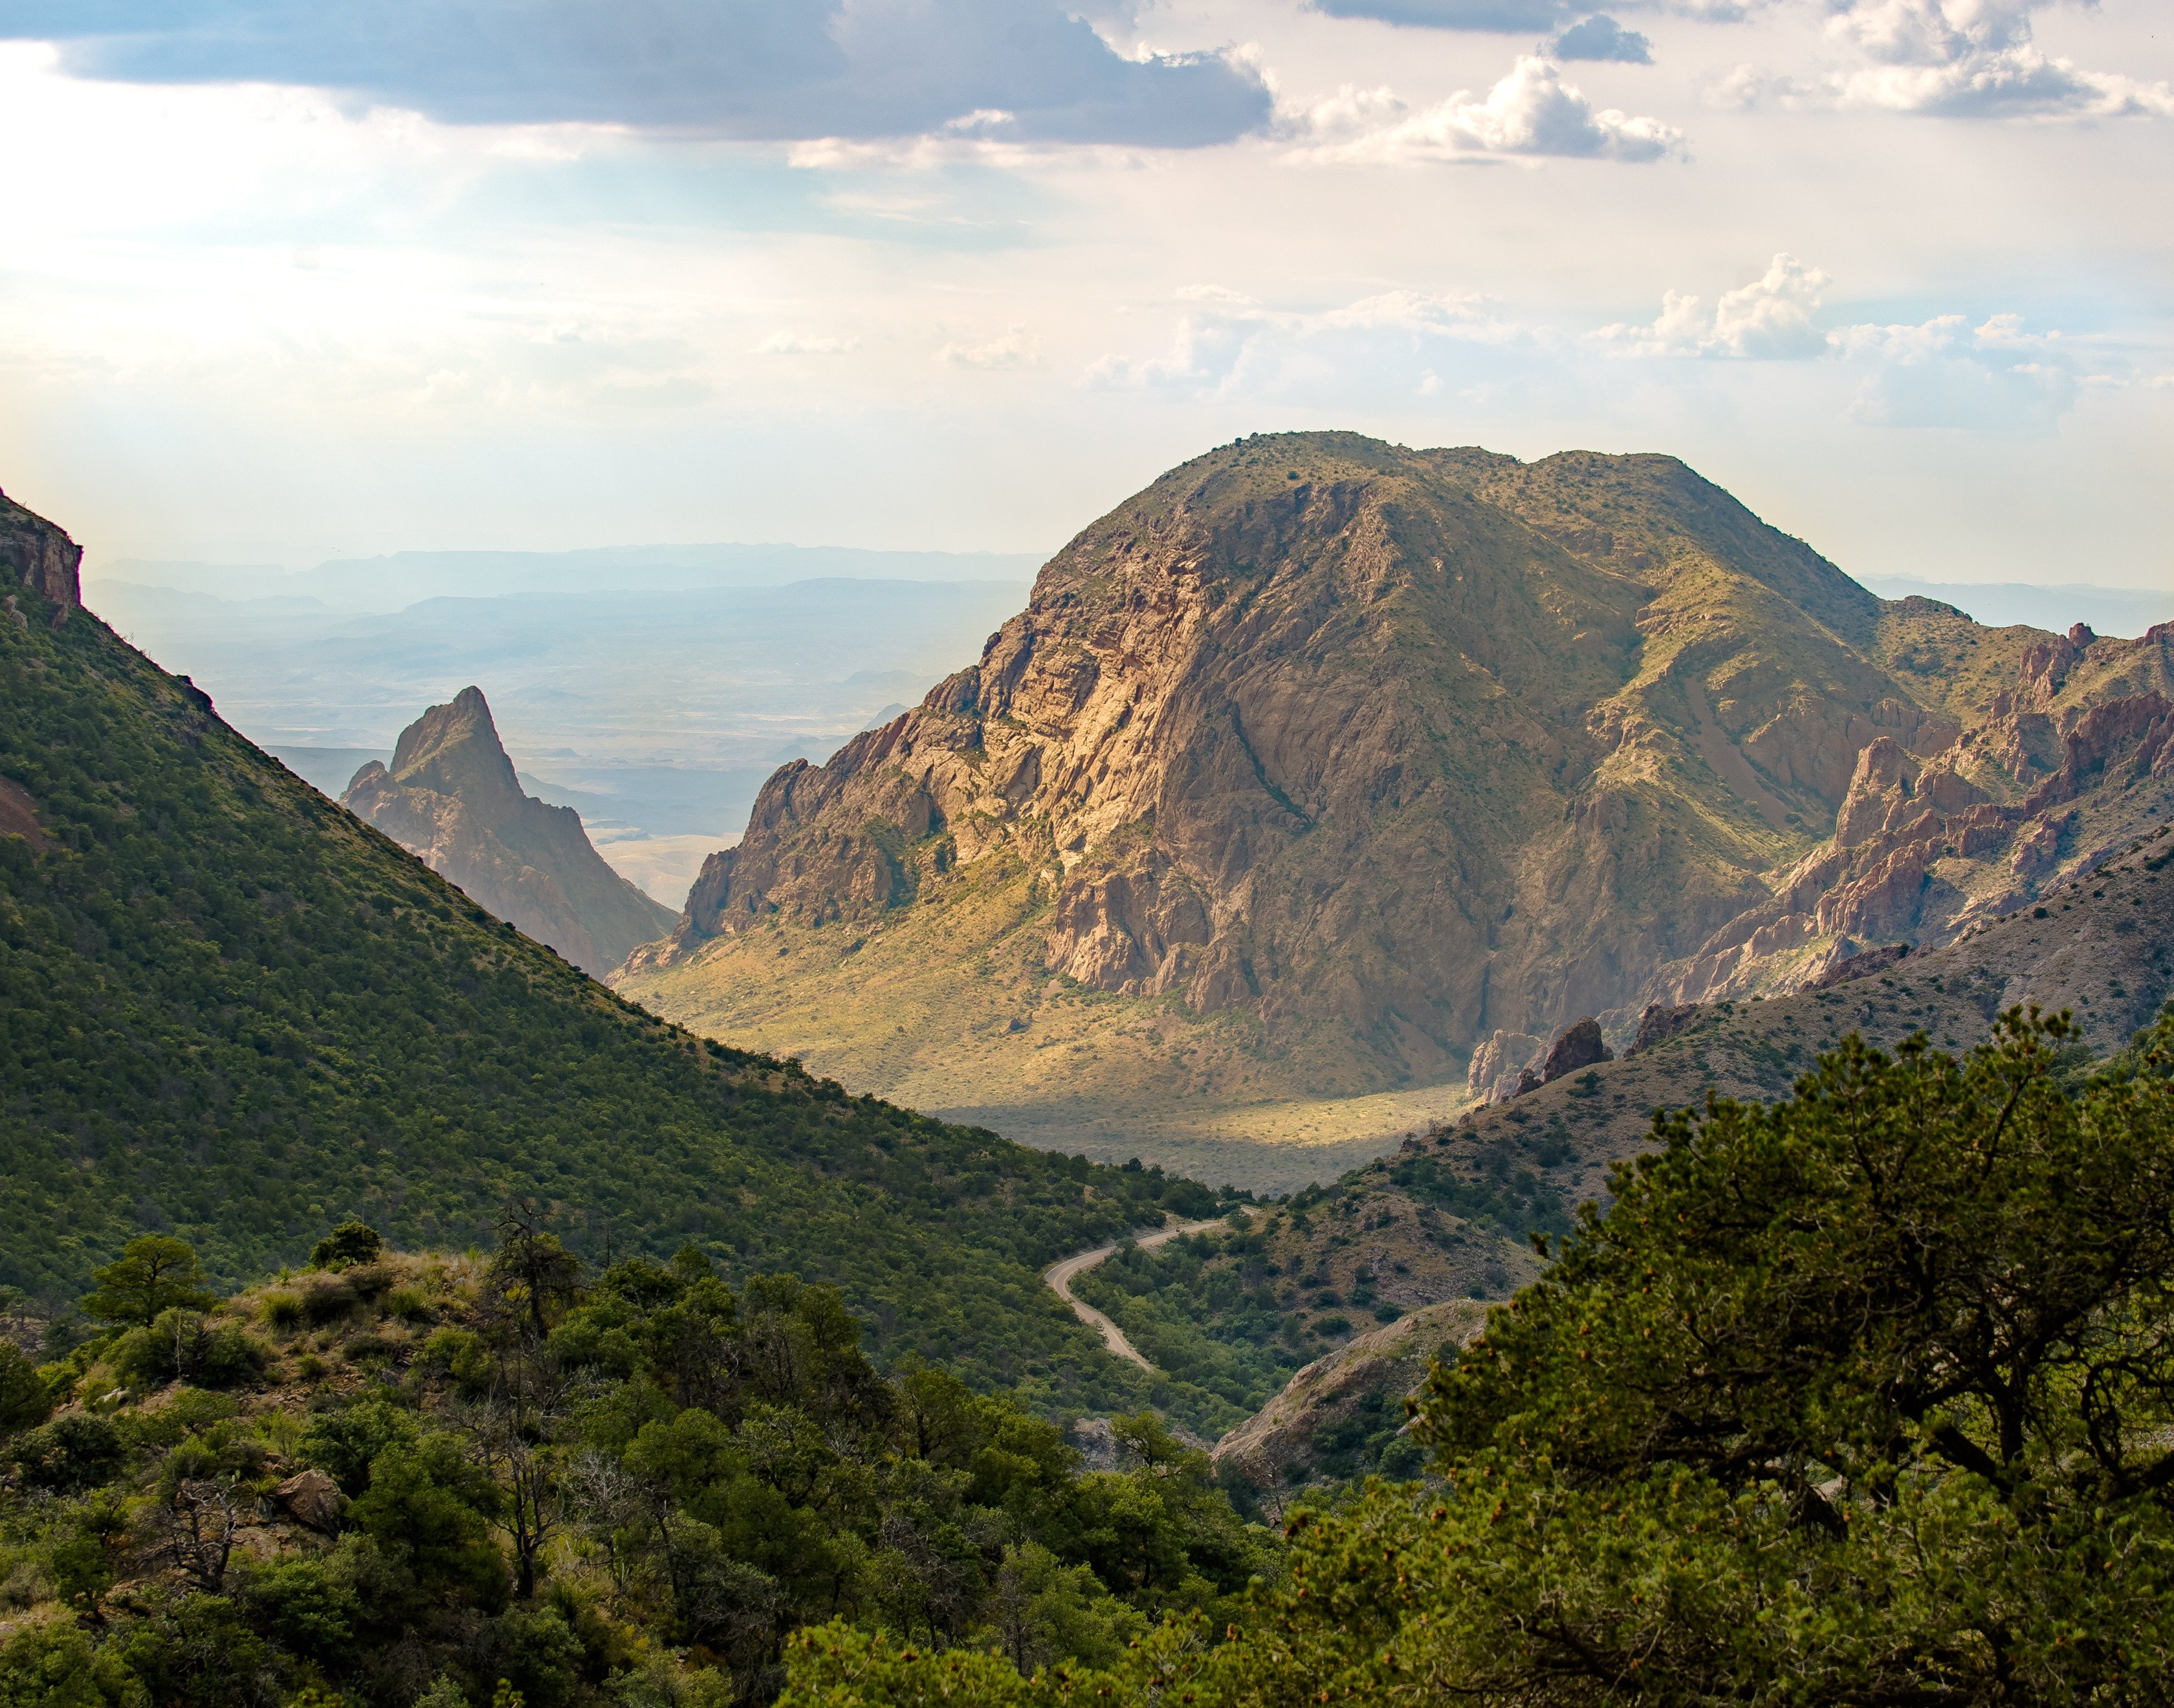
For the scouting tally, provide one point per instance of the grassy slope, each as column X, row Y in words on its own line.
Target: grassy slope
column 229, row 1009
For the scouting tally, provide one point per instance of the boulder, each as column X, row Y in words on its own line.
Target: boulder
column 311, row 1499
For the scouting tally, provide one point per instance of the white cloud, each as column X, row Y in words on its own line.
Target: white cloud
column 1531, row 112
column 1392, row 340
column 1745, row 87
column 804, row 344
column 1995, row 377
column 1769, row 319
column 1974, row 59
column 1015, row 349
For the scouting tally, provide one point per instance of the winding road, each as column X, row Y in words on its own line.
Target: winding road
column 1060, row 1276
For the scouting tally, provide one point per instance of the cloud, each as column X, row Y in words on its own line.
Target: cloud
column 804, row 344
column 780, row 70
column 1974, row 59
column 1745, row 87
column 1601, row 37
column 1532, row 112
column 1015, row 349
column 1391, row 343
column 1769, row 319
column 1508, row 16
column 1993, row 377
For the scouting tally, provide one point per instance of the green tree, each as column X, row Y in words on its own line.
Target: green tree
column 25, row 1400
column 153, row 1273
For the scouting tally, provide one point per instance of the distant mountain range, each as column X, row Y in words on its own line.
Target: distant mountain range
column 392, row 582
column 658, row 712
column 1324, row 767
column 2123, row 612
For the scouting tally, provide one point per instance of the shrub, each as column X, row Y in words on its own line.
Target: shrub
column 24, row 1402
column 411, row 1304
column 182, row 1346
column 348, row 1245
column 328, row 1302
column 73, row 1452
column 282, row 1311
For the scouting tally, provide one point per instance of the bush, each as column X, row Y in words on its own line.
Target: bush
column 54, row 1665
column 348, row 1245
column 25, row 1401
column 328, row 1302
column 72, row 1453
column 283, row 1312
column 182, row 1346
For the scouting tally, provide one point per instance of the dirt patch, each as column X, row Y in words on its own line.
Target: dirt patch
column 18, row 815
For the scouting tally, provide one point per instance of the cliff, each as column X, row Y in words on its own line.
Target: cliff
column 452, row 798
column 39, row 559
column 1323, row 766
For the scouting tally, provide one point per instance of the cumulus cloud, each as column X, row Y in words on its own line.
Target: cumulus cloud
column 1601, row 37
column 1994, row 377
column 1531, row 112
column 1391, row 342
column 759, row 69
column 1015, row 349
column 1769, row 319
column 1745, row 87
column 1974, row 59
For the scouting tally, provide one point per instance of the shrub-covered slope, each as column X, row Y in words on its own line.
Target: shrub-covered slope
column 406, row 1478
column 231, row 1011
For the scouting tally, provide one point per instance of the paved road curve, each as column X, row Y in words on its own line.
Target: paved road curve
column 1061, row 1275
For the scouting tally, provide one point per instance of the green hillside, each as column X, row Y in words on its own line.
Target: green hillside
column 229, row 1011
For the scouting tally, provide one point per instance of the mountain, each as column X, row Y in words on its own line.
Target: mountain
column 234, row 1012
column 451, row 799
column 1323, row 764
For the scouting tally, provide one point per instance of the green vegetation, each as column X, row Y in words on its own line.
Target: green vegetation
column 1865, row 1397
column 455, row 1481
column 1202, row 1309
column 232, row 1015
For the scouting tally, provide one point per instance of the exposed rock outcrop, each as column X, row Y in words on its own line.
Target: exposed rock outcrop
column 1579, row 1046
column 1501, row 1060
column 39, row 559
column 452, row 798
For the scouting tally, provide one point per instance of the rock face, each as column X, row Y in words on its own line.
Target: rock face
column 452, row 798
column 39, row 560
column 1580, row 1046
column 1390, row 755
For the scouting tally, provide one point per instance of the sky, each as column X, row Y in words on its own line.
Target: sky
column 284, row 281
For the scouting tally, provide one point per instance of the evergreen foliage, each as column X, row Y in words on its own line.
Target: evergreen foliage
column 230, row 1015
column 1867, row 1397
column 533, row 1484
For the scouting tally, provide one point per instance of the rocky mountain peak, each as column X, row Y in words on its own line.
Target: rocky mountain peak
column 455, row 748
column 452, row 797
